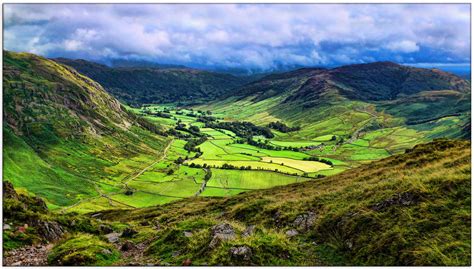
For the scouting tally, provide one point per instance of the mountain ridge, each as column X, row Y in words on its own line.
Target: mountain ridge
column 141, row 85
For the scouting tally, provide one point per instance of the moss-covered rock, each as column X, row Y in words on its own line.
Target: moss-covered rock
column 83, row 249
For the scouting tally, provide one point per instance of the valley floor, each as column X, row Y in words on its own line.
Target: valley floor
column 227, row 167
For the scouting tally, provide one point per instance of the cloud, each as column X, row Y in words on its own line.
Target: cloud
column 405, row 46
column 259, row 36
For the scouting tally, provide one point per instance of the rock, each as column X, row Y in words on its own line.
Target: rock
column 187, row 262
column 96, row 215
column 50, row 230
column 127, row 246
column 129, row 232
column 105, row 229
column 223, row 229
column 249, row 231
column 7, row 227
column 112, row 237
column 404, row 199
column 39, row 204
column 106, row 251
column 349, row 244
column 241, row 253
column 188, row 234
column 291, row 233
column 221, row 232
column 8, row 191
column 304, row 221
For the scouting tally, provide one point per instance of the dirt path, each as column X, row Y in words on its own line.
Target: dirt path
column 28, row 256
column 151, row 165
column 110, row 200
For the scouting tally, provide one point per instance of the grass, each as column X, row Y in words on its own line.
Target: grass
column 305, row 166
column 408, row 209
column 245, row 180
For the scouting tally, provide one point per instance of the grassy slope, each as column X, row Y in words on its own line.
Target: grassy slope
column 408, row 209
column 65, row 138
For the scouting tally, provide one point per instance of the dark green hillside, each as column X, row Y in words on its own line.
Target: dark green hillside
column 366, row 82
column 139, row 85
column 408, row 209
column 65, row 138
column 388, row 81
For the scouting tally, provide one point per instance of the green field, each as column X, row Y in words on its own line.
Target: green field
column 156, row 179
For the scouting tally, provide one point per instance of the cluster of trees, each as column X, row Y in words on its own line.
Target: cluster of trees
column 191, row 144
column 280, row 126
column 243, row 129
column 265, row 145
column 224, row 166
column 205, row 118
column 193, row 130
column 317, row 159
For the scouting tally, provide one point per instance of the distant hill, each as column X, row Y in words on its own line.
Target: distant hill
column 142, row 85
column 64, row 130
column 137, row 63
column 366, row 82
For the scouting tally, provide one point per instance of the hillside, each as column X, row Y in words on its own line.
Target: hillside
column 65, row 138
column 383, row 106
column 146, row 85
column 409, row 209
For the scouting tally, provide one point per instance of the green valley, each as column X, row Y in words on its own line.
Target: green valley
column 293, row 168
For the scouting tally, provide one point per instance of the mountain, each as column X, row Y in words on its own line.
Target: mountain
column 366, row 82
column 137, row 63
column 379, row 102
column 65, row 138
column 409, row 209
column 144, row 85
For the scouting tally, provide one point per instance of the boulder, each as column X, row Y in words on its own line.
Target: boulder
column 241, row 253
column 223, row 229
column 112, row 237
column 304, row 221
column 50, row 230
column 129, row 232
column 221, row 232
column 291, row 233
column 127, row 246
column 402, row 199
column 105, row 229
column 8, row 191
column 188, row 234
column 7, row 227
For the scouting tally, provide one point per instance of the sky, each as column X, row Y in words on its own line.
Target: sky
column 246, row 36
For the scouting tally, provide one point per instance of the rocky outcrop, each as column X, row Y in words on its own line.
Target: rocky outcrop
column 50, row 230
column 403, row 199
column 221, row 232
column 241, row 253
column 304, row 221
